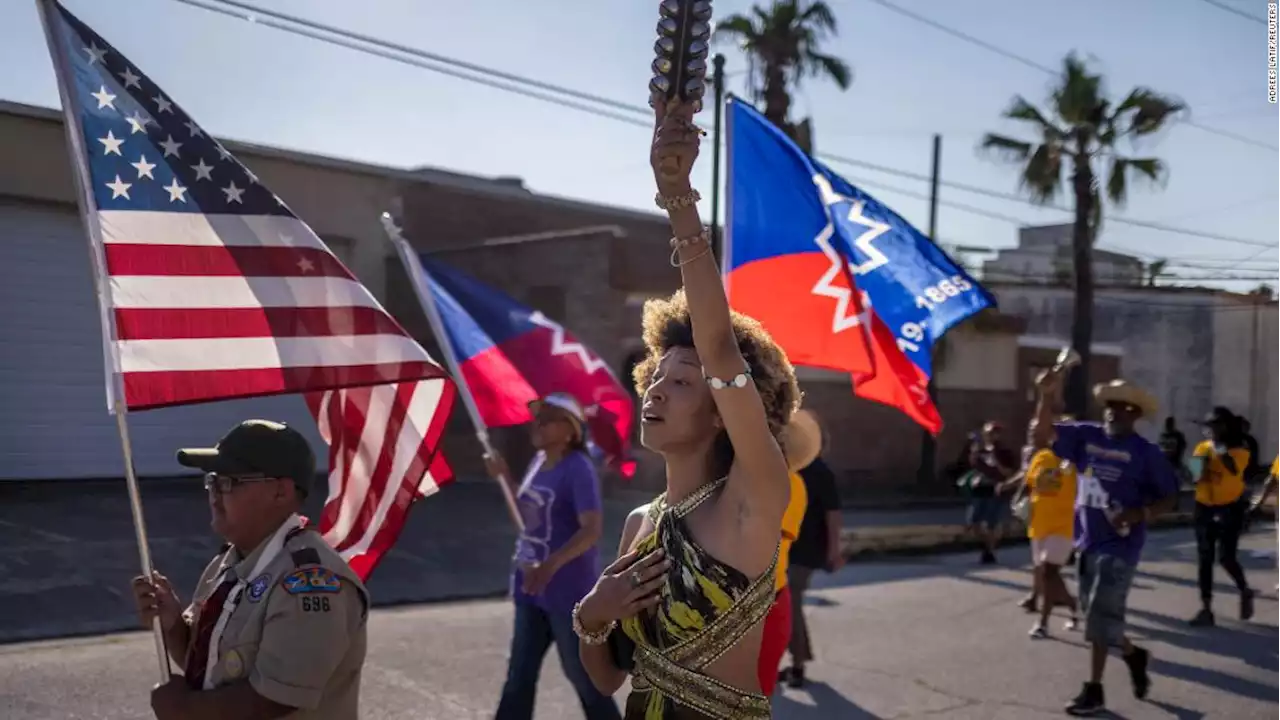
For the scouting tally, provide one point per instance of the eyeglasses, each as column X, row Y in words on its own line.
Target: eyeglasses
column 223, row 484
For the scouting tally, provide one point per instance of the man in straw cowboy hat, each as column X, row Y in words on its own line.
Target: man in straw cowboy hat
column 1123, row 481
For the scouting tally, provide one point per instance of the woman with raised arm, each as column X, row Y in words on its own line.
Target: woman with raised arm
column 680, row 610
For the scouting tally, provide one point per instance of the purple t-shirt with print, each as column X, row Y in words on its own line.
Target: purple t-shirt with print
column 550, row 501
column 1125, row 472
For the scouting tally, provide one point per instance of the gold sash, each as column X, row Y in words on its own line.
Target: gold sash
column 676, row 672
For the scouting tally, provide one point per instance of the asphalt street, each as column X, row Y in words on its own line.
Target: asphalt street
column 931, row 636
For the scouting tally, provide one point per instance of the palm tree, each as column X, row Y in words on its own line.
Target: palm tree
column 782, row 43
column 1156, row 269
column 1078, row 139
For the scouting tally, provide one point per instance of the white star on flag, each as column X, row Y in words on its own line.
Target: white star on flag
column 104, row 98
column 170, row 147
column 119, row 189
column 130, row 79
column 112, row 144
column 233, row 193
column 177, row 193
column 144, row 168
column 202, row 171
column 137, row 123
column 96, row 54
column 163, row 105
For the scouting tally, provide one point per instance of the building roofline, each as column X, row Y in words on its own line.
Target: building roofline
column 1052, row 342
column 494, row 187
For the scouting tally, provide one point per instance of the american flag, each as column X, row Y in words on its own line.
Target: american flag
column 375, row 433
column 211, row 289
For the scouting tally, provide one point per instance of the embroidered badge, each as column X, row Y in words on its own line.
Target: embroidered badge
column 233, row 664
column 312, row 580
column 258, row 587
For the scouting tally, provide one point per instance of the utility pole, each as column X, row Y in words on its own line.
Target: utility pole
column 717, row 78
column 928, row 446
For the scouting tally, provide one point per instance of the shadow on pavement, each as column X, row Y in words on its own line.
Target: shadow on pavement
column 1177, row 711
column 826, row 703
column 1255, row 645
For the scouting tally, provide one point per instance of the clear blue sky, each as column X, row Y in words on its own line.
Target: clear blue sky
column 254, row 83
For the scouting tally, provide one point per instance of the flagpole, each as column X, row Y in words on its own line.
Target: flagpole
column 114, row 382
column 418, row 279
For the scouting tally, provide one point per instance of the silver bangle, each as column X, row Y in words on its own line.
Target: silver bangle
column 738, row 381
column 590, row 638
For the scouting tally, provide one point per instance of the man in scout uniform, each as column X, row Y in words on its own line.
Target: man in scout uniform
column 277, row 625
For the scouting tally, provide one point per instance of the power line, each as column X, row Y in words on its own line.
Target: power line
column 1235, row 11
column 425, row 61
column 1043, row 68
column 478, row 74
column 1018, row 198
column 253, row 12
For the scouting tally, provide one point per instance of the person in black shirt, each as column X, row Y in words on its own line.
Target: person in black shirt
column 1250, row 443
column 1174, row 446
column 991, row 464
column 1173, row 443
column 817, row 547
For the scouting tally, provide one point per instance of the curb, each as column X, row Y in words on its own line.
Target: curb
column 925, row 539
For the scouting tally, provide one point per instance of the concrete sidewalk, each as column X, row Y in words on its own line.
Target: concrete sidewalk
column 67, row 550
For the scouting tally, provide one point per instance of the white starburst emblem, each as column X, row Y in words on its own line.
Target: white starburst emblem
column 847, row 315
column 560, row 346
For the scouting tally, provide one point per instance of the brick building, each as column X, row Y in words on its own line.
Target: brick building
column 584, row 265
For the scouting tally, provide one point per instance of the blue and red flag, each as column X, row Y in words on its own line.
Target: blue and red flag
column 510, row 355
column 841, row 281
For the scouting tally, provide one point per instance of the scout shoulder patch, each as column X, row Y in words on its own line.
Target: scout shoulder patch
column 258, row 587
column 312, row 580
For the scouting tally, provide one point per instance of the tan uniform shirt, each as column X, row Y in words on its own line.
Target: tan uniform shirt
column 297, row 630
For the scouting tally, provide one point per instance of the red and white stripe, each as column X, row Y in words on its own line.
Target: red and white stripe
column 383, row 455
column 215, row 307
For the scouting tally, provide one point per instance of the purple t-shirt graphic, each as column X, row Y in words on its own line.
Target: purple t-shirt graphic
column 1127, row 473
column 550, row 501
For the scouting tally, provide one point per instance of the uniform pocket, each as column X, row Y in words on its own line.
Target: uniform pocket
column 235, row 662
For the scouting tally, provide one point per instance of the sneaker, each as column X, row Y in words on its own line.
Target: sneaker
column 1089, row 702
column 987, row 558
column 1137, row 662
column 1039, row 632
column 795, row 678
column 1028, row 603
column 1246, row 604
column 1071, row 625
column 1204, row 618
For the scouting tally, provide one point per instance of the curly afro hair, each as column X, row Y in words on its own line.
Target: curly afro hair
column 667, row 325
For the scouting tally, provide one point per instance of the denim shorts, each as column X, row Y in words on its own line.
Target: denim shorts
column 1104, row 594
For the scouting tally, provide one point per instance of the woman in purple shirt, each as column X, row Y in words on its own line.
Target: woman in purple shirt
column 556, row 561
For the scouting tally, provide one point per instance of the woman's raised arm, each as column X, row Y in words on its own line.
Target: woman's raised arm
column 763, row 468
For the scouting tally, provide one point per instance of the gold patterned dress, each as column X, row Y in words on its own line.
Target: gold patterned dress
column 707, row 607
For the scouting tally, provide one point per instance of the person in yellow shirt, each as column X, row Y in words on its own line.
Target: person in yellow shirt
column 801, row 443
column 1220, row 509
column 1268, row 487
column 1051, row 483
